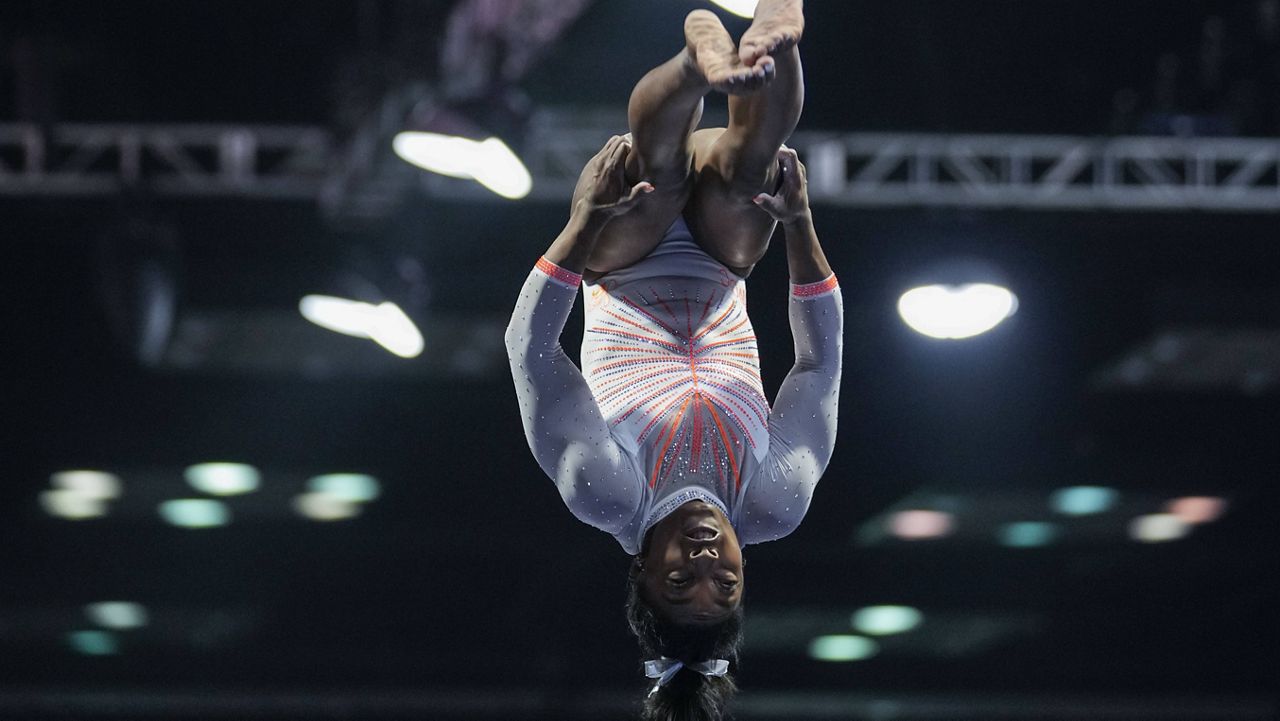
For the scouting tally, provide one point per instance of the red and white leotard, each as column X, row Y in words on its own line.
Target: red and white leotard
column 668, row 406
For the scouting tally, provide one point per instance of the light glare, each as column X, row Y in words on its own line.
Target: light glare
column 1083, row 500
column 1027, row 534
column 842, row 647
column 346, row 487
column 918, row 525
column 954, row 312
column 117, row 614
column 385, row 324
column 489, row 162
column 93, row 643
column 195, row 512
column 884, row 620
column 72, row 505
column 324, row 507
column 1197, row 509
column 98, row 485
column 741, row 8
column 223, row 479
column 1157, row 527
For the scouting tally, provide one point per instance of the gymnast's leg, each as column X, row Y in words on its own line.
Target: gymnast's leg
column 664, row 109
column 733, row 165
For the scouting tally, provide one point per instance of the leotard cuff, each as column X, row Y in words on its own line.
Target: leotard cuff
column 814, row 290
column 567, row 278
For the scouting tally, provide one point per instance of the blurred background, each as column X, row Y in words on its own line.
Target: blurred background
column 223, row 501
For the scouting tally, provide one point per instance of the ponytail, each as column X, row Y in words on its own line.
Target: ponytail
column 689, row 695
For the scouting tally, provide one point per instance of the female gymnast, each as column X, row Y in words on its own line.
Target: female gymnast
column 665, row 439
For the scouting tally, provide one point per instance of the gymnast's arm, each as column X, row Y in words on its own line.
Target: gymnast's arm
column 562, row 423
column 802, row 423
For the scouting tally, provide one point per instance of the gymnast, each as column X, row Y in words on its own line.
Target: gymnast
column 664, row 439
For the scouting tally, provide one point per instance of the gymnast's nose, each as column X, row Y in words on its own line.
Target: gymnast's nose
column 700, row 552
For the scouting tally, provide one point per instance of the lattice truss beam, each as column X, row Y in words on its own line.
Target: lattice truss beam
column 854, row 169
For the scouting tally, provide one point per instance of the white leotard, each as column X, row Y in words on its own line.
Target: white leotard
column 669, row 406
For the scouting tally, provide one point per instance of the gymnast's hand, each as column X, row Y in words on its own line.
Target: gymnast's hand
column 602, row 188
column 791, row 202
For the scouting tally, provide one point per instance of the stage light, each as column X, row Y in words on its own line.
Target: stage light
column 1027, row 534
column 385, row 324
column 223, row 479
column 741, row 8
column 953, row 312
column 920, row 525
column 1197, row 509
column 842, row 648
column 195, row 513
column 1083, row 500
column 489, row 162
column 320, row 506
column 1158, row 527
column 117, row 614
column 72, row 505
column 93, row 643
column 346, row 487
column 885, row 620
column 98, row 485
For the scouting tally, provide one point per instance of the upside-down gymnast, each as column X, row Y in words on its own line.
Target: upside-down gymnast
column 665, row 439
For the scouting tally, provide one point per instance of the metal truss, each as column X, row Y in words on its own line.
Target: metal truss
column 272, row 162
column 850, row 169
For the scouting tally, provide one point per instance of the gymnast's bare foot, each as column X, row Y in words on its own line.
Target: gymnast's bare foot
column 714, row 56
column 777, row 27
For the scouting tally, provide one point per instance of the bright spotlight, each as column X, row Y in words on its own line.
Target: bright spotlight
column 953, row 312
column 1197, row 509
column 921, row 525
column 1083, row 500
column 842, row 648
column 385, row 324
column 195, row 513
column 1157, row 527
column 117, row 614
column 72, row 505
column 346, row 487
column 98, row 485
column 489, row 162
column 320, row 506
column 223, row 479
column 884, row 620
column 741, row 8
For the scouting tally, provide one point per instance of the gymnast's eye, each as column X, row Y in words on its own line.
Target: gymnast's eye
column 727, row 584
column 678, row 581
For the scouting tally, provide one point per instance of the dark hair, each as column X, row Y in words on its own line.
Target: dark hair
column 689, row 696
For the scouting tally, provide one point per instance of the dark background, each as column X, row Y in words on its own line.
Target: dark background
column 466, row 588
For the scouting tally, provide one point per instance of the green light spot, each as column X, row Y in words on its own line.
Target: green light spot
column 884, row 620
column 1027, row 534
column 349, row 487
column 1083, row 500
column 93, row 643
column 842, row 648
column 195, row 513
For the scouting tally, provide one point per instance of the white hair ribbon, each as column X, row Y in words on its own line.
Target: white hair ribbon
column 665, row 669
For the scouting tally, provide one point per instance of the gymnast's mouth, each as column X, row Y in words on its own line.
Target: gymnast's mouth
column 702, row 533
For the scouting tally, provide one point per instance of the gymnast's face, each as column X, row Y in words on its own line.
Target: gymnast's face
column 693, row 570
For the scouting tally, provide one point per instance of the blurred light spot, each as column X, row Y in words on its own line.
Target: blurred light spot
column 956, row 311
column 99, row 485
column 324, row 507
column 884, row 620
column 1158, row 527
column 915, row 525
column 117, row 614
column 385, row 324
column 489, row 162
column 349, row 487
column 1027, row 534
column 842, row 648
column 72, row 505
column 223, row 479
column 93, row 643
column 195, row 512
column 741, row 8
column 1083, row 500
column 1197, row 509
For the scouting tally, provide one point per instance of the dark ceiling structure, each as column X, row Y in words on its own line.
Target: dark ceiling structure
column 174, row 177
